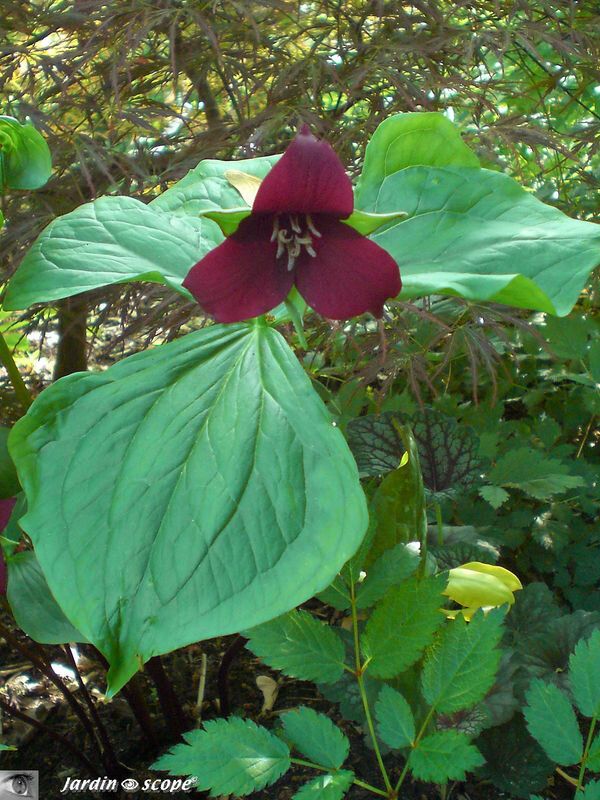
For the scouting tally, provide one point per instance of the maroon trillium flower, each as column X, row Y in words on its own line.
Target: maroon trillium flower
column 294, row 235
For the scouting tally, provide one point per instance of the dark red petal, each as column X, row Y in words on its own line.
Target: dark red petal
column 308, row 179
column 6, row 509
column 241, row 278
column 350, row 274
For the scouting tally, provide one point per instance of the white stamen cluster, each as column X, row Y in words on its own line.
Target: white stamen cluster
column 295, row 232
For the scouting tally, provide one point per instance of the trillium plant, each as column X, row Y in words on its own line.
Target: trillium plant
column 204, row 488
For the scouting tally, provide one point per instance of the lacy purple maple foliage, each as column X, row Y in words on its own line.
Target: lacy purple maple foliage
column 6, row 508
column 294, row 235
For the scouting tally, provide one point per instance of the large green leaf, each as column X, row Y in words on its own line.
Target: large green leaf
column 207, row 188
column 552, row 721
column 316, row 737
column 299, row 645
column 409, row 140
column 34, row 608
column 25, row 161
column 402, row 625
column 443, row 756
column 187, row 492
column 479, row 235
column 229, row 756
column 331, row 786
column 390, row 569
column 112, row 240
column 591, row 791
column 584, row 675
column 460, row 669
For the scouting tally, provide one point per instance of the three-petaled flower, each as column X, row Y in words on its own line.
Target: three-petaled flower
column 295, row 235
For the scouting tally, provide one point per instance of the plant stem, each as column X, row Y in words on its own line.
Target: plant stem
column 167, row 697
column 302, row 763
column 363, row 694
column 297, row 323
column 21, row 391
column 110, row 759
column 440, row 524
column 418, row 738
column 232, row 652
column 37, row 656
column 586, row 751
column 564, row 775
column 39, row 726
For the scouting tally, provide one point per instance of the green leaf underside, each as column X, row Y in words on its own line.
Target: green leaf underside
column 584, row 675
column 111, row 240
column 443, row 756
column 390, row 569
column 206, row 188
column 316, row 737
column 552, row 721
column 332, row 786
column 409, row 140
column 395, row 721
column 187, row 492
column 460, row 669
column 477, row 234
column 300, row 646
column 229, row 756
column 402, row 625
column 536, row 475
column 35, row 609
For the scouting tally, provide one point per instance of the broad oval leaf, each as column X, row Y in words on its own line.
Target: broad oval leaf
column 409, row 140
column 34, row 608
column 207, row 188
column 189, row 491
column 395, row 720
column 111, row 240
column 479, row 235
column 229, row 756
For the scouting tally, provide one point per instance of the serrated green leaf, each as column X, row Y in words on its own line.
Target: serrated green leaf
column 593, row 761
column 390, row 569
column 591, row 791
column 230, row 530
column 495, row 495
column 568, row 337
column 395, row 721
column 444, row 756
column 584, row 675
column 111, row 240
column 538, row 476
column 406, row 140
column 332, row 786
column 316, row 737
column 552, row 721
column 33, row 605
column 461, row 667
column 229, row 756
column 207, row 188
column 402, row 625
column 300, row 646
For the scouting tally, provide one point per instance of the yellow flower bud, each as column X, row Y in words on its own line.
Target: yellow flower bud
column 476, row 585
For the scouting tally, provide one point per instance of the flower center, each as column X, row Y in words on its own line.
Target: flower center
column 292, row 232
